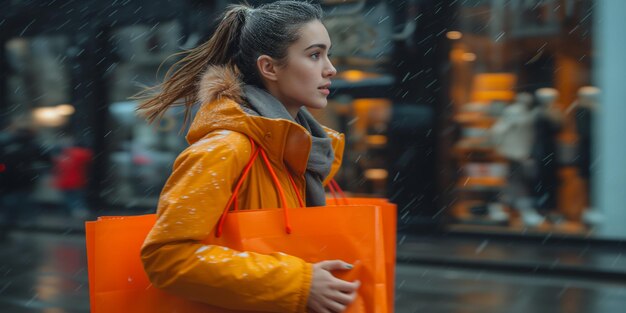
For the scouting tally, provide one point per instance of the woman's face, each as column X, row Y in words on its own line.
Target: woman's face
column 304, row 78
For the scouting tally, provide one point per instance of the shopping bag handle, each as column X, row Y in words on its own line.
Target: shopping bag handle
column 334, row 189
column 246, row 171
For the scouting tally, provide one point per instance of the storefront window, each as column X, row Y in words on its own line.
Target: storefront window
column 40, row 82
column 362, row 52
column 141, row 155
column 524, row 99
column 39, row 104
column 476, row 115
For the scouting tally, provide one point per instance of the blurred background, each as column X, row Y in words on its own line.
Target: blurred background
column 494, row 125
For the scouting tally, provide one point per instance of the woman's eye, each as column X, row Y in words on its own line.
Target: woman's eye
column 315, row 55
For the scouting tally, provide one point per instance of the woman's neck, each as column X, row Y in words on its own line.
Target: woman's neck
column 291, row 108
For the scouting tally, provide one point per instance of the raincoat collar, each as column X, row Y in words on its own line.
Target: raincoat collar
column 321, row 155
column 221, row 96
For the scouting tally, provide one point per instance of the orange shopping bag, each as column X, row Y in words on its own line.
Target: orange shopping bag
column 390, row 217
column 353, row 233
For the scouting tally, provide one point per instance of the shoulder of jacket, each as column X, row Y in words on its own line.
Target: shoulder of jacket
column 226, row 143
column 221, row 138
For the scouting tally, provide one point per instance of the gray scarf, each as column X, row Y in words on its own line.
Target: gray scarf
column 321, row 155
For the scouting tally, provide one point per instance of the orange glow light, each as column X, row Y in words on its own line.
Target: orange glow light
column 454, row 35
column 469, row 57
column 353, row 75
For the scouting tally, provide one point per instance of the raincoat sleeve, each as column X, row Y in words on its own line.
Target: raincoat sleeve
column 190, row 205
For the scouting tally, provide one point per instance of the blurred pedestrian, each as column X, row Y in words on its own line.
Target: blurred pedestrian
column 70, row 172
column 254, row 78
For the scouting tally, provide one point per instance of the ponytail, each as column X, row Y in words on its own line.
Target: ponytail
column 241, row 37
column 180, row 82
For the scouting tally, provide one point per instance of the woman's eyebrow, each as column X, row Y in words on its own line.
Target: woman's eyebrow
column 317, row 45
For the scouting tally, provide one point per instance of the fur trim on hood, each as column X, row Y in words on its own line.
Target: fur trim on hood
column 220, row 81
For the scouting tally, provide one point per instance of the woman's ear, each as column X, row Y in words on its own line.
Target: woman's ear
column 267, row 67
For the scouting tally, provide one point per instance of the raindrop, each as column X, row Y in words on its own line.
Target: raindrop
column 78, row 288
column 26, row 28
column 481, row 247
column 396, row 177
column 406, row 76
column 499, row 36
column 402, row 240
column 5, row 287
column 616, row 260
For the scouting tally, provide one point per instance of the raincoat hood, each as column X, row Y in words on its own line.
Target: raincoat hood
column 222, row 98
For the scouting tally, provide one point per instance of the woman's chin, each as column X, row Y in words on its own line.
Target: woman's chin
column 317, row 105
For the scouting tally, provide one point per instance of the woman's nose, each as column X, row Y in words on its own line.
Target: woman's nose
column 330, row 70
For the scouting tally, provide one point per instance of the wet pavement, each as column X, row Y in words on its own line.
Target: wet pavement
column 435, row 289
column 556, row 256
column 45, row 271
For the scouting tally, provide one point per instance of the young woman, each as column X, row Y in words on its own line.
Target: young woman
column 253, row 78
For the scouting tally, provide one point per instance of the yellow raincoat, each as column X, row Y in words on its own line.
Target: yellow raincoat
column 197, row 191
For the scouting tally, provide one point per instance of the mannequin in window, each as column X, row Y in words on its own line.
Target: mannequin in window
column 513, row 136
column 584, row 109
column 548, row 123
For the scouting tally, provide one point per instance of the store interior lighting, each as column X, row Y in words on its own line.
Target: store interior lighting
column 65, row 109
column 469, row 57
column 454, row 35
column 356, row 75
column 53, row 116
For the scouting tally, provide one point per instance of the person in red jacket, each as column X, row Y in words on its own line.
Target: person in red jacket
column 70, row 177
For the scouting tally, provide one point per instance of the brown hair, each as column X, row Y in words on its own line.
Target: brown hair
column 243, row 34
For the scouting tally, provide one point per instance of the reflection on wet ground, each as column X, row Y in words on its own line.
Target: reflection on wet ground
column 46, row 272
column 550, row 255
column 43, row 272
column 436, row 289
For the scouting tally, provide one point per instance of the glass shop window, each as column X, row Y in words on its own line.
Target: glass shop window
column 141, row 155
column 521, row 83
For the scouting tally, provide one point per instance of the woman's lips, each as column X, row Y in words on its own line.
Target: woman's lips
column 324, row 88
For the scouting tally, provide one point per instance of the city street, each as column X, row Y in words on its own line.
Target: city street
column 44, row 271
column 493, row 127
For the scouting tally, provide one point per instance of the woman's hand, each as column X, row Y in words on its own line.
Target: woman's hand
column 329, row 294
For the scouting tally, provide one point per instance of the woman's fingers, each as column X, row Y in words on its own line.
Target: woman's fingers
column 345, row 286
column 335, row 265
column 343, row 298
column 336, row 307
column 329, row 294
